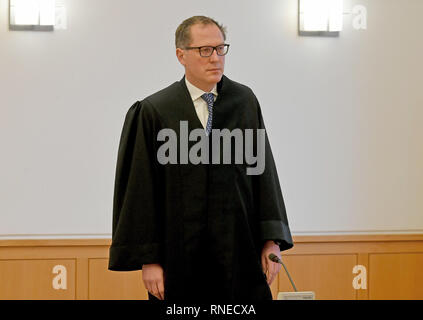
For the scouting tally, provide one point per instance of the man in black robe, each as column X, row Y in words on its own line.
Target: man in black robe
column 201, row 232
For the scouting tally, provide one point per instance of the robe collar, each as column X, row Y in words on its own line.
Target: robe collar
column 197, row 93
column 188, row 108
column 221, row 85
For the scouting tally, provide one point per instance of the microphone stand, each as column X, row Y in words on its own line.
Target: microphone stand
column 277, row 260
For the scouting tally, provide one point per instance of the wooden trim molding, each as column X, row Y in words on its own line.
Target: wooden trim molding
column 297, row 239
column 359, row 238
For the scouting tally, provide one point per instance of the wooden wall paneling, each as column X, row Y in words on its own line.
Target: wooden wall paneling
column 328, row 275
column 396, row 276
column 82, row 278
column 33, row 279
column 363, row 260
column 111, row 285
column 319, row 263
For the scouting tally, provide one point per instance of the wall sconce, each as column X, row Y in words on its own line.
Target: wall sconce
column 320, row 17
column 32, row 15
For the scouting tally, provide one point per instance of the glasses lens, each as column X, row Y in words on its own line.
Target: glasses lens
column 206, row 51
column 222, row 50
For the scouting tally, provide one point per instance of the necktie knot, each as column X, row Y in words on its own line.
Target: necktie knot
column 208, row 97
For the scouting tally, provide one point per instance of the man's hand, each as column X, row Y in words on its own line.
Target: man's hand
column 152, row 275
column 270, row 268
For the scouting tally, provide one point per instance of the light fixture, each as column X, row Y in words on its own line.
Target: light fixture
column 32, row 14
column 320, row 17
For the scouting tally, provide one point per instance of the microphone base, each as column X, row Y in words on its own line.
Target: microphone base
column 299, row 295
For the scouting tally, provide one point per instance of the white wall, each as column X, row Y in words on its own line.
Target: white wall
column 343, row 114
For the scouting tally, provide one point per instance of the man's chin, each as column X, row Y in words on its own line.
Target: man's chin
column 216, row 78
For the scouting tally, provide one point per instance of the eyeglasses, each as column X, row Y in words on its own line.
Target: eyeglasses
column 207, row 51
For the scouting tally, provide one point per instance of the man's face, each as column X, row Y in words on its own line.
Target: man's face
column 203, row 72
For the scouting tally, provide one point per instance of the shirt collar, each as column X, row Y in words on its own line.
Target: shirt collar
column 195, row 92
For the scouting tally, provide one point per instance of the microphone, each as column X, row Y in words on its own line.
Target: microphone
column 276, row 259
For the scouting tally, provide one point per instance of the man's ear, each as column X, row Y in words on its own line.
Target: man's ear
column 180, row 55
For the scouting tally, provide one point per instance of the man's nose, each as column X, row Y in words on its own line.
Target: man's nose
column 214, row 56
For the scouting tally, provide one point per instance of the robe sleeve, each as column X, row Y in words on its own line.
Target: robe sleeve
column 270, row 202
column 135, row 236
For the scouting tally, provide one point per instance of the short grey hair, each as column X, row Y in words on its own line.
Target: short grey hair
column 183, row 34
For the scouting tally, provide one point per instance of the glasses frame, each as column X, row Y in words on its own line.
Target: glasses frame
column 226, row 45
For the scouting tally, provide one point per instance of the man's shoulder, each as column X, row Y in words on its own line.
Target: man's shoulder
column 236, row 87
column 241, row 91
column 153, row 103
column 236, row 84
column 165, row 95
column 156, row 103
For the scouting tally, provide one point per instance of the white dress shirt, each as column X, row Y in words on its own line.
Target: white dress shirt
column 199, row 103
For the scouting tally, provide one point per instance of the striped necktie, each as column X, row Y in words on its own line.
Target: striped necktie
column 209, row 98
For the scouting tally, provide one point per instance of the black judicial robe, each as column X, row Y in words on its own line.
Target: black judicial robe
column 206, row 223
